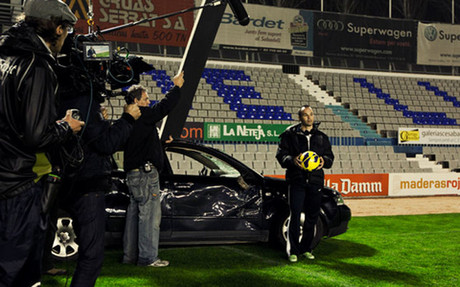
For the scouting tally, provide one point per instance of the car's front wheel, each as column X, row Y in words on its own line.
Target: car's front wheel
column 64, row 245
column 281, row 226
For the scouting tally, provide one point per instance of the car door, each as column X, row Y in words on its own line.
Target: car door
column 209, row 199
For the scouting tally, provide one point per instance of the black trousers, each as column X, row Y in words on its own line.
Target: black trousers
column 88, row 213
column 22, row 232
column 302, row 198
column 47, row 260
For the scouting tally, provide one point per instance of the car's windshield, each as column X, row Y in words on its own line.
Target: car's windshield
column 194, row 162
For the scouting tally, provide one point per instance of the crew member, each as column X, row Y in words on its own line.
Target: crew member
column 28, row 130
column 83, row 190
column 143, row 160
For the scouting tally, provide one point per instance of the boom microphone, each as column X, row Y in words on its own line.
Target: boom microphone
column 239, row 11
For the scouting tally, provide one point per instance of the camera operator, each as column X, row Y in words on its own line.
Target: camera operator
column 84, row 189
column 28, row 130
column 143, row 159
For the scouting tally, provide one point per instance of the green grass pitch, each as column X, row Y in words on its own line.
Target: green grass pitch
column 416, row 250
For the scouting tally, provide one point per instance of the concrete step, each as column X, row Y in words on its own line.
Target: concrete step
column 424, row 162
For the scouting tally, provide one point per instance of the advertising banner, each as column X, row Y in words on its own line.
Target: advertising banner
column 340, row 35
column 438, row 44
column 271, row 30
column 192, row 131
column 243, row 132
column 358, row 185
column 171, row 31
column 428, row 136
column 424, row 184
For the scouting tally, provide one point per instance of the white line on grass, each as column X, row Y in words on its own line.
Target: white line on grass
column 293, row 266
column 408, row 234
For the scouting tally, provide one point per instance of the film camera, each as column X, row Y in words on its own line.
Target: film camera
column 90, row 70
column 95, row 68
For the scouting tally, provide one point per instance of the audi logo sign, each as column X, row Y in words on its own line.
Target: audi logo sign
column 330, row 25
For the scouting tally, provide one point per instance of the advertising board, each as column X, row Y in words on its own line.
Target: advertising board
column 341, row 35
column 243, row 132
column 270, row 30
column 438, row 44
column 428, row 136
column 358, row 185
column 424, row 184
column 171, row 31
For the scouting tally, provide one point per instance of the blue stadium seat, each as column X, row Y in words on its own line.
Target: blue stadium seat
column 359, row 80
column 390, row 101
column 408, row 114
column 232, row 94
column 375, row 90
column 383, row 96
column 399, row 107
column 432, row 88
column 423, row 83
column 287, row 117
column 439, row 92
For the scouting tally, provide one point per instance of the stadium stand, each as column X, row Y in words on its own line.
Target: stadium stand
column 391, row 101
column 360, row 112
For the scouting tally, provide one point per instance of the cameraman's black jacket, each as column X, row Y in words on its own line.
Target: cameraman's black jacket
column 28, row 110
column 293, row 141
column 144, row 144
column 100, row 139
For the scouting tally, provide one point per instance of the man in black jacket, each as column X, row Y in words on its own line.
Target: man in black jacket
column 304, row 186
column 83, row 190
column 143, row 160
column 28, row 130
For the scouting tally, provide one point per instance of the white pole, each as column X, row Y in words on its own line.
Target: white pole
column 389, row 16
column 389, row 9
column 453, row 22
column 322, row 10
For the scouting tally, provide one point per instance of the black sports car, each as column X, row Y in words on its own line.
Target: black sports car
column 209, row 197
